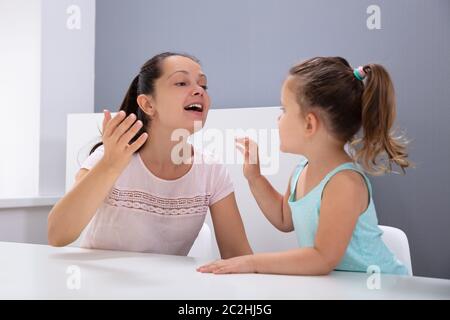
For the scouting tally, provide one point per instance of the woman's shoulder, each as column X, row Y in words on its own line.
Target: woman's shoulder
column 93, row 158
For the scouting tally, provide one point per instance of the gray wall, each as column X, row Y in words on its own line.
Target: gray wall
column 67, row 84
column 246, row 48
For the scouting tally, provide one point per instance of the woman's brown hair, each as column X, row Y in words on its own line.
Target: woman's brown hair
column 351, row 104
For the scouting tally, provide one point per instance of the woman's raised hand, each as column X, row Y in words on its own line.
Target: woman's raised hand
column 116, row 137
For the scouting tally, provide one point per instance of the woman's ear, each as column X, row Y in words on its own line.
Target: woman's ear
column 146, row 104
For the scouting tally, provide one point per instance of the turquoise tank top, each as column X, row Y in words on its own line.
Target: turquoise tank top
column 366, row 248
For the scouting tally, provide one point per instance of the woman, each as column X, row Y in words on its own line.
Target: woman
column 131, row 193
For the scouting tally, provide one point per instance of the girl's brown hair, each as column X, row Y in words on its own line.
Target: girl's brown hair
column 351, row 104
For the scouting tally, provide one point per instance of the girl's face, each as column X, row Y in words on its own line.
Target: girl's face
column 291, row 123
column 181, row 96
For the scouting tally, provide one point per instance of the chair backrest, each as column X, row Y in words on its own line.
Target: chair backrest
column 396, row 240
column 83, row 131
column 202, row 247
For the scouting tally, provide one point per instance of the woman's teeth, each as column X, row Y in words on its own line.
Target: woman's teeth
column 194, row 107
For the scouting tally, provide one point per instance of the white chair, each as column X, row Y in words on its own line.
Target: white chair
column 202, row 247
column 82, row 128
column 396, row 240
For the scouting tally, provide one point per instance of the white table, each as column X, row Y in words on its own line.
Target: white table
column 30, row 271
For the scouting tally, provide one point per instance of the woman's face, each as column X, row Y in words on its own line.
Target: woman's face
column 181, row 96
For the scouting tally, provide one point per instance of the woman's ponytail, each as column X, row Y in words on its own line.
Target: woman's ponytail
column 130, row 105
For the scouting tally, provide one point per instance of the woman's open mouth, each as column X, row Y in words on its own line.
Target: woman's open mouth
column 194, row 107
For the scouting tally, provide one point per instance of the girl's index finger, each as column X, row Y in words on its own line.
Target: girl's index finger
column 240, row 144
column 241, row 140
column 247, row 144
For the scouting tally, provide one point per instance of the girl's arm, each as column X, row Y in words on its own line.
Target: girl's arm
column 345, row 197
column 273, row 204
column 72, row 213
column 229, row 229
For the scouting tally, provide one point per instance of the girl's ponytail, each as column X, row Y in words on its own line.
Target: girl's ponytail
column 378, row 116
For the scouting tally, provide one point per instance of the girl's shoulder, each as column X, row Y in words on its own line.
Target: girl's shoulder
column 349, row 175
column 349, row 180
column 349, row 184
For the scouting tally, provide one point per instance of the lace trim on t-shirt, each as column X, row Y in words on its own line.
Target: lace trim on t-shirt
column 164, row 206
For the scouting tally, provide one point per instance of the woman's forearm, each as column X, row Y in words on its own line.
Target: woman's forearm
column 72, row 213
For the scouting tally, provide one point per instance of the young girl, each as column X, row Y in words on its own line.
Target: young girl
column 131, row 193
column 329, row 200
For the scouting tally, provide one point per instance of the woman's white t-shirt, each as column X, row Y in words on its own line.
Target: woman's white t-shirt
column 147, row 214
